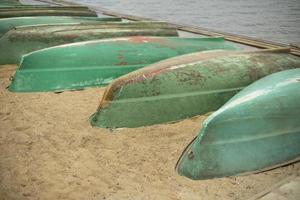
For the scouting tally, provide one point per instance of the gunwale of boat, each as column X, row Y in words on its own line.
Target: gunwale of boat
column 266, row 169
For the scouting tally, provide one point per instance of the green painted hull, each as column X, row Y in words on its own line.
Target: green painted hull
column 258, row 129
column 97, row 63
column 184, row 87
column 6, row 3
column 26, row 11
column 10, row 1
column 18, row 6
column 7, row 24
column 24, row 40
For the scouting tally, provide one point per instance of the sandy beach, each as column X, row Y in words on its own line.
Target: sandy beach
column 48, row 150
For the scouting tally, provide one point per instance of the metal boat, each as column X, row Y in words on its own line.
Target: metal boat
column 257, row 129
column 7, row 24
column 25, row 11
column 185, row 86
column 26, row 39
column 97, row 63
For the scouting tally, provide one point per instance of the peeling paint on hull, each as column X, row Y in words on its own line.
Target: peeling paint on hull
column 186, row 86
column 257, row 129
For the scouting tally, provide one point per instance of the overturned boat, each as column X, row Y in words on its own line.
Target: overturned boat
column 7, row 24
column 25, row 11
column 23, row 40
column 97, row 63
column 258, row 129
column 185, row 86
column 7, row 3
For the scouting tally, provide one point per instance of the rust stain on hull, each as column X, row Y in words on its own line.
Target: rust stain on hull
column 163, row 66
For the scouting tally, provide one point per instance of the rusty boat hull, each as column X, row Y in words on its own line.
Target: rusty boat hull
column 185, row 86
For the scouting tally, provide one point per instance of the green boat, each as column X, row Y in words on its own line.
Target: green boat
column 11, row 1
column 97, row 63
column 258, row 129
column 6, row 3
column 26, row 11
column 18, row 6
column 7, row 24
column 23, row 40
column 184, row 87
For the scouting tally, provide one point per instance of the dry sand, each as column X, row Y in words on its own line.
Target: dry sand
column 48, row 150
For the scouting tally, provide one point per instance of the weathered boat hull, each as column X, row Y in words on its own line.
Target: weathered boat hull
column 258, row 129
column 97, row 63
column 6, row 3
column 26, row 11
column 23, row 40
column 7, row 24
column 19, row 6
column 184, row 87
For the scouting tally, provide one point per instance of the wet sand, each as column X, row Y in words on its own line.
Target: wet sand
column 48, row 150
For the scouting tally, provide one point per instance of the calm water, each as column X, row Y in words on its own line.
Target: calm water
column 276, row 20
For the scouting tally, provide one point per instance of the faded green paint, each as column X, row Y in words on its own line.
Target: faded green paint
column 23, row 40
column 6, row 3
column 97, row 63
column 25, row 11
column 19, row 6
column 11, row 1
column 172, row 90
column 258, row 129
column 7, row 24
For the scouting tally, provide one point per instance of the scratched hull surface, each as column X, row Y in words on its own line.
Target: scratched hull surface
column 259, row 128
column 23, row 40
column 184, row 87
column 7, row 24
column 25, row 11
column 96, row 63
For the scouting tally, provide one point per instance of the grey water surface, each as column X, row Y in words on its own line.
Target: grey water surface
column 275, row 20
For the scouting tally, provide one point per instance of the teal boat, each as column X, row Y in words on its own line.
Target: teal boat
column 23, row 40
column 26, row 11
column 97, row 63
column 6, row 3
column 7, row 24
column 258, row 129
column 16, row 2
column 19, row 6
column 185, row 86
column 3, row 5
